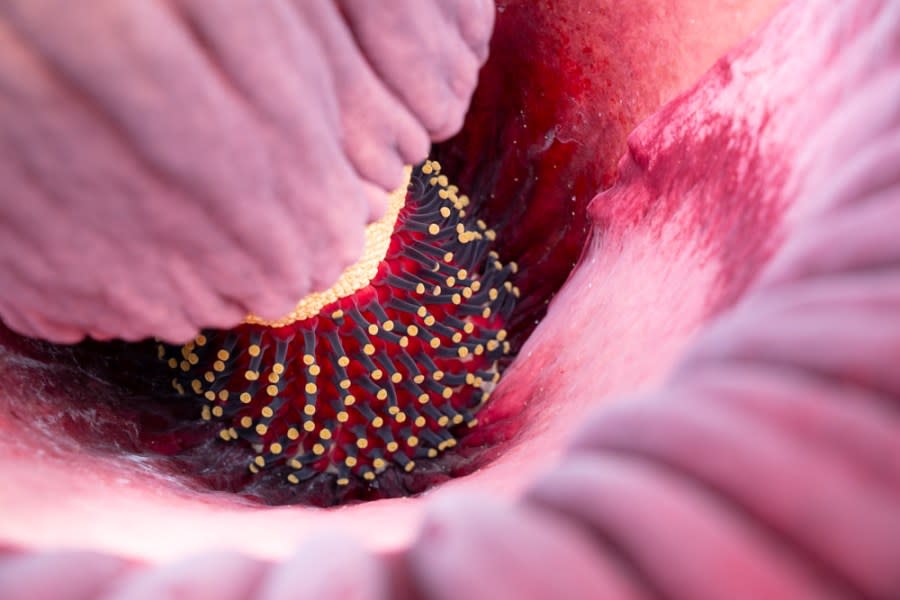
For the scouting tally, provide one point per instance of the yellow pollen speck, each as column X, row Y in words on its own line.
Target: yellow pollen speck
column 447, row 393
column 412, row 330
column 422, row 311
column 437, row 375
column 420, row 288
column 173, row 363
column 392, row 446
column 369, row 476
column 349, row 399
column 350, row 461
column 251, row 375
column 308, row 359
column 318, row 449
column 310, row 388
column 362, row 443
column 272, row 390
column 293, row 479
column 434, row 343
column 429, row 320
column 501, row 335
column 338, row 314
column 404, row 342
column 246, row 422
column 377, row 374
column 218, row 366
column 278, row 368
column 325, row 434
column 434, row 229
column 409, row 466
column 372, row 329
column 344, row 384
column 295, row 464
column 419, row 422
column 369, row 349
column 400, row 417
column 423, row 398
column 388, row 325
column 275, row 448
column 357, row 275
column 342, row 416
column 209, row 395
column 377, row 422
column 419, row 379
column 443, row 421
column 293, row 434
column 309, row 427
column 314, row 370
column 223, row 354
column 457, row 337
column 343, row 361
column 217, row 411
column 267, row 412
column 382, row 394
column 261, row 429
column 253, row 468
column 274, row 378
column 379, row 463
column 205, row 414
column 260, row 461
column 223, row 395
column 463, row 352
column 309, row 410
column 246, row 398
column 432, row 453
column 396, row 378
column 254, row 350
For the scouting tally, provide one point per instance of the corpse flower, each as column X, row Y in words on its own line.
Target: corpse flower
column 707, row 407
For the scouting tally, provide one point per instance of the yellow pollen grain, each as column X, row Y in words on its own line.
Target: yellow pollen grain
column 310, row 388
column 429, row 320
column 412, row 330
column 419, row 422
column 260, row 461
column 377, row 422
column 209, row 395
column 369, row 476
column 295, row 464
column 223, row 395
column 308, row 359
column 350, row 461
column 246, row 398
column 432, row 453
column 423, row 398
column 293, row 434
column 388, row 325
column 272, row 390
column 223, row 354
column 314, row 370
column 349, row 400
column 400, row 417
column 396, row 378
column 275, row 448
column 309, row 410
column 274, row 378
column 362, row 443
column 267, row 412
column 343, row 361
column 218, row 366
column 254, row 350
column 382, row 394
column 278, row 368
column 217, row 411
column 434, row 229
column 293, row 479
column 342, row 416
column 372, row 329
column 369, row 349
column 434, row 343
column 392, row 446
column 344, row 384
column 404, row 342
column 309, row 427
column 422, row 312
column 318, row 449
column 379, row 463
column 261, row 429
column 325, row 434
column 357, row 275
column 377, row 374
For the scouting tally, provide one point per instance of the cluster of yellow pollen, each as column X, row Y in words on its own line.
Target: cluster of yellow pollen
column 359, row 274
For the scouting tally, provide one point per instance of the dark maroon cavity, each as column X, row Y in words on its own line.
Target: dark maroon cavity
column 383, row 379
